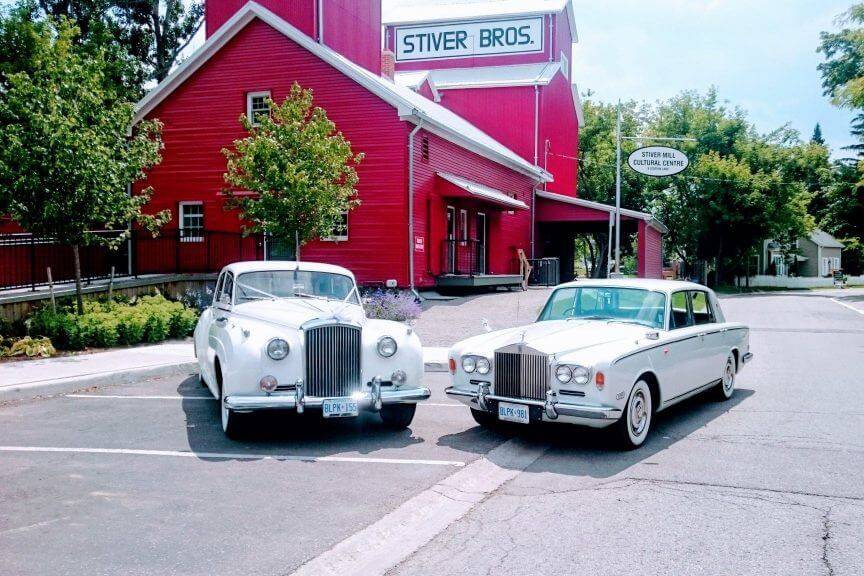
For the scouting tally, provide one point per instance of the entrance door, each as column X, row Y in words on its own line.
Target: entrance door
column 482, row 233
column 450, row 244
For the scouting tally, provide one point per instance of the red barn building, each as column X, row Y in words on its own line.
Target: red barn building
column 469, row 124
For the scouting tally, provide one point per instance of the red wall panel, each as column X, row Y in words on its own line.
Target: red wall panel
column 201, row 117
column 649, row 252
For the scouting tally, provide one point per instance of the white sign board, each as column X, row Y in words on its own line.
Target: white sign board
column 658, row 161
column 466, row 39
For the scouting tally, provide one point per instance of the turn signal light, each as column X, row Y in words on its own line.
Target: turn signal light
column 600, row 380
column 452, row 366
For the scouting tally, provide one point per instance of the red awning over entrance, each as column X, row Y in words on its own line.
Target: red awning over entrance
column 458, row 187
column 552, row 207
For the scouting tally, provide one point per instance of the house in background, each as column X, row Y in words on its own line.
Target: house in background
column 817, row 255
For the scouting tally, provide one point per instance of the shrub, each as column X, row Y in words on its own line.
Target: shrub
column 391, row 305
column 105, row 324
column 26, row 346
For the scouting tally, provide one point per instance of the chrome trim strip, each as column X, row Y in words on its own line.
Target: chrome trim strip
column 693, row 392
column 562, row 409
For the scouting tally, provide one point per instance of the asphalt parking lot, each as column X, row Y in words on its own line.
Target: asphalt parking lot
column 139, row 479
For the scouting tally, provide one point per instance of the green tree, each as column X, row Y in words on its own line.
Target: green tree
column 66, row 158
column 301, row 170
column 843, row 68
column 817, row 138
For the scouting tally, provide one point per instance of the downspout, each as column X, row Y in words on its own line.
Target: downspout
column 536, row 121
column 551, row 53
column 320, row 10
column 411, row 207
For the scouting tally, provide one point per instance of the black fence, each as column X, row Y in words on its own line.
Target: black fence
column 464, row 257
column 544, row 272
column 25, row 259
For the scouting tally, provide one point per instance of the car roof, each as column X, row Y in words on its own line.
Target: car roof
column 642, row 283
column 260, row 265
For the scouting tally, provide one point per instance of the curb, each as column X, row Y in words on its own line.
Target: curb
column 67, row 385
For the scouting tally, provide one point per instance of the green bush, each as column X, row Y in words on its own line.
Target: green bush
column 26, row 346
column 105, row 324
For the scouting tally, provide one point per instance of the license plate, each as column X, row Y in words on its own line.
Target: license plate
column 339, row 407
column 513, row 412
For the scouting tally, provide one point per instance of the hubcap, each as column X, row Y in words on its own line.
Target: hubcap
column 638, row 413
column 728, row 377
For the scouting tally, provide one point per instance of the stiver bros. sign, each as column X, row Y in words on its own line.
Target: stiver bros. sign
column 465, row 39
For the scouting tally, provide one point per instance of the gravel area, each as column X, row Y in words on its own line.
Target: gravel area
column 445, row 323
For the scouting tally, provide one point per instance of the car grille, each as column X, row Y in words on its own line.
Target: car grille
column 521, row 375
column 332, row 361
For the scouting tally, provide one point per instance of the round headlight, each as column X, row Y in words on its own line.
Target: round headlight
column 277, row 349
column 564, row 374
column 387, row 346
column 483, row 366
column 581, row 375
column 469, row 364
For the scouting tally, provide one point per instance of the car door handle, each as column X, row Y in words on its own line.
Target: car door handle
column 221, row 320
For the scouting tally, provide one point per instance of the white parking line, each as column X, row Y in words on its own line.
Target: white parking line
column 233, row 455
column 387, row 542
column 172, row 397
column 849, row 306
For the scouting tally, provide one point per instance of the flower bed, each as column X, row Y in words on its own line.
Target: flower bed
column 391, row 305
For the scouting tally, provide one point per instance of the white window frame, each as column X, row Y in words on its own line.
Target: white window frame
column 249, row 97
column 565, row 66
column 836, row 263
column 339, row 237
column 181, row 217
column 826, row 266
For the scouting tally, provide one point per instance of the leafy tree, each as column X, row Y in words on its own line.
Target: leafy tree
column 301, row 170
column 65, row 156
column 843, row 69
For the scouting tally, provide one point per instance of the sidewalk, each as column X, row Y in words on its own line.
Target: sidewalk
column 66, row 373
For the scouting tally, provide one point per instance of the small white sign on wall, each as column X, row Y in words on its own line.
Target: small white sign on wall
column 466, row 39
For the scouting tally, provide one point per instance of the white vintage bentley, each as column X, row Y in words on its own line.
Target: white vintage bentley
column 603, row 352
column 293, row 335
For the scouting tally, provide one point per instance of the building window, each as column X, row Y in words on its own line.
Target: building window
column 826, row 266
column 836, row 263
column 191, row 222
column 256, row 105
column 565, row 66
column 424, row 148
column 340, row 230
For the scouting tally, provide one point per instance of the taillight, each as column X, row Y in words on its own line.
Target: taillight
column 600, row 380
column 452, row 366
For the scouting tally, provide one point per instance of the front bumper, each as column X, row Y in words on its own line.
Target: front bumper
column 367, row 400
column 551, row 409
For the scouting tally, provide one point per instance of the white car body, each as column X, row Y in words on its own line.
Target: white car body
column 232, row 337
column 675, row 363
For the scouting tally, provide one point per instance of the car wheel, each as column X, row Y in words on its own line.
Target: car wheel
column 484, row 418
column 232, row 423
column 726, row 388
column 635, row 423
column 397, row 416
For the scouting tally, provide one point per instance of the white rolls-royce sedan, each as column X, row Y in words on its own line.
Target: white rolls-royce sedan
column 602, row 353
column 294, row 336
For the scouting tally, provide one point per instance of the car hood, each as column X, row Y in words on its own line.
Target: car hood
column 559, row 337
column 295, row 312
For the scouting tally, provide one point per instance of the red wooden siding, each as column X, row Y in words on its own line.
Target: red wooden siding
column 649, row 252
column 559, row 125
column 507, row 232
column 201, row 117
column 298, row 13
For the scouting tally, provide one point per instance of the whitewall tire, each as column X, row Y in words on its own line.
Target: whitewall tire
column 726, row 388
column 232, row 423
column 635, row 423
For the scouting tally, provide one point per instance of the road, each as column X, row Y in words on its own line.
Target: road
column 138, row 479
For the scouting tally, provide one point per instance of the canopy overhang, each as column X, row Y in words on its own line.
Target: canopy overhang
column 552, row 207
column 462, row 187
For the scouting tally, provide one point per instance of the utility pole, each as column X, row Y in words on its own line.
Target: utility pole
column 618, row 190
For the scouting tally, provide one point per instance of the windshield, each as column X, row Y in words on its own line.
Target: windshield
column 294, row 284
column 630, row 305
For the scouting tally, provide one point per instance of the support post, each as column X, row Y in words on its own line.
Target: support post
column 111, row 286
column 618, row 190
column 51, row 290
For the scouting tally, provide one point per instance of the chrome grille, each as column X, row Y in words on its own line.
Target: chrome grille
column 521, row 375
column 332, row 361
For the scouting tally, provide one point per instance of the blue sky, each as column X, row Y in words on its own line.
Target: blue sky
column 761, row 55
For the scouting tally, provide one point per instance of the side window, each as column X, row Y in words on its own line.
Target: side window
column 680, row 316
column 218, row 290
column 227, row 289
column 702, row 312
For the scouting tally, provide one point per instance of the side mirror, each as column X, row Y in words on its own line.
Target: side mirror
column 652, row 335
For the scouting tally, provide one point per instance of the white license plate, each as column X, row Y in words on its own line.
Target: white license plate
column 513, row 412
column 339, row 407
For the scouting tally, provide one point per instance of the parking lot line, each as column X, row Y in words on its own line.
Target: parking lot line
column 387, row 542
column 233, row 455
column 849, row 306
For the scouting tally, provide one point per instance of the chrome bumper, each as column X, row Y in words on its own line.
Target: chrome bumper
column 367, row 400
column 552, row 408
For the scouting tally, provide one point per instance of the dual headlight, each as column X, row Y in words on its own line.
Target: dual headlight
column 479, row 364
column 567, row 373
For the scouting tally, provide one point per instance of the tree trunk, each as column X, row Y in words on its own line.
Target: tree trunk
column 79, row 300
column 602, row 253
